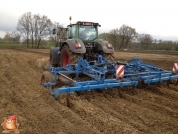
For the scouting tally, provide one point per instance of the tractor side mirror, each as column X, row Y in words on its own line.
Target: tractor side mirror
column 54, row 31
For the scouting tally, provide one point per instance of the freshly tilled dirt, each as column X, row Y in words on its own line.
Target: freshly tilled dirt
column 153, row 109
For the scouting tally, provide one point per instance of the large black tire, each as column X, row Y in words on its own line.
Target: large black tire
column 54, row 56
column 109, row 57
column 67, row 56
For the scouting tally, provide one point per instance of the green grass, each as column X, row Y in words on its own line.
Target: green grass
column 47, row 46
column 13, row 46
column 23, row 46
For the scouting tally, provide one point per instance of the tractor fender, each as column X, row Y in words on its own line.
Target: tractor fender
column 54, row 56
column 71, row 43
column 103, row 45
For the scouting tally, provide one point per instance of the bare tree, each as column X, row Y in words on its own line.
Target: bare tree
column 114, row 35
column 59, row 33
column 36, row 19
column 145, row 39
column 126, row 33
column 6, row 36
column 15, row 36
column 105, row 36
column 44, row 27
column 23, row 26
column 34, row 28
column 160, row 41
column 155, row 41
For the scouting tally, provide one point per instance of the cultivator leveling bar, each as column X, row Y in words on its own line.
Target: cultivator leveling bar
column 102, row 74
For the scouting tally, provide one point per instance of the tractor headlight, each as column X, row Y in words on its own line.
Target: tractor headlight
column 78, row 45
column 110, row 45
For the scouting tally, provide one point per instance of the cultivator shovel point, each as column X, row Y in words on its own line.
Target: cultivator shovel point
column 68, row 79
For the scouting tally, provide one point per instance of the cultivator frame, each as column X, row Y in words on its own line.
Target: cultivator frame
column 104, row 74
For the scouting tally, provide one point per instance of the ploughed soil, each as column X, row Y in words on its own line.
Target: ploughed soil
column 152, row 109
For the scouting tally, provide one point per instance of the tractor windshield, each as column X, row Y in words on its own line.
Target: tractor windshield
column 87, row 32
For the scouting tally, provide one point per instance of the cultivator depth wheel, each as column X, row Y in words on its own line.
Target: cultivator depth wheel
column 46, row 77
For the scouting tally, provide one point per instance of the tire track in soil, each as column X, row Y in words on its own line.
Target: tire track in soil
column 102, row 120
column 22, row 95
column 164, row 115
column 160, row 100
column 132, row 113
column 167, row 111
column 120, row 112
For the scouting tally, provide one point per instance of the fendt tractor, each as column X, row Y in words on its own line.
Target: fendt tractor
column 82, row 40
column 83, row 62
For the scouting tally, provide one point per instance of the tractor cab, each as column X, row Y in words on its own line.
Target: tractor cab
column 86, row 31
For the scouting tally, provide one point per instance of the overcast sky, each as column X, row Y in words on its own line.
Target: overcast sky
column 158, row 18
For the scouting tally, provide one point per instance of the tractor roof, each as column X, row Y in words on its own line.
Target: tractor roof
column 85, row 23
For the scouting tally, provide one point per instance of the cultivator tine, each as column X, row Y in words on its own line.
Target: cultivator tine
column 168, row 82
column 158, row 84
column 176, row 83
column 68, row 100
column 104, row 93
column 133, row 90
column 141, row 84
column 122, row 93
column 87, row 96
column 65, row 80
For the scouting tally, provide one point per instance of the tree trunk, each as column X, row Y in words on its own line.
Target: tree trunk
column 122, row 42
column 36, row 39
column 39, row 42
column 126, row 43
column 27, row 43
column 146, row 45
column 32, row 39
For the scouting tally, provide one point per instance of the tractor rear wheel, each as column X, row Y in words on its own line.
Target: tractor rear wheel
column 109, row 57
column 67, row 56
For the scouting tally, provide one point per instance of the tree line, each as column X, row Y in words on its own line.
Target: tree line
column 126, row 37
column 11, row 37
column 35, row 28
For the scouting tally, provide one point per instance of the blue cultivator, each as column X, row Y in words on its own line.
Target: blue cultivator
column 102, row 74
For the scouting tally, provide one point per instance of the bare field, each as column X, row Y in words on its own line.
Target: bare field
column 153, row 109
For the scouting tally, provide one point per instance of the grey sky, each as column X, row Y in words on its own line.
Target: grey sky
column 155, row 17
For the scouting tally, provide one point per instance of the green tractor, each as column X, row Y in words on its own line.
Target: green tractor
column 82, row 40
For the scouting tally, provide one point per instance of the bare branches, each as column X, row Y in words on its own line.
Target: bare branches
column 60, row 33
column 126, row 34
column 23, row 26
column 145, row 39
column 34, row 27
column 120, row 37
column 15, row 36
column 114, row 34
column 43, row 27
